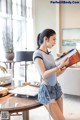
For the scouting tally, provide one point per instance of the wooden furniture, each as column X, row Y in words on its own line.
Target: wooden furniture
column 14, row 104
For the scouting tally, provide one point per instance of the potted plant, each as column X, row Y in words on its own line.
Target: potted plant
column 8, row 45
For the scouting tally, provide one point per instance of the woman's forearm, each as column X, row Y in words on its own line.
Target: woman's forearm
column 47, row 73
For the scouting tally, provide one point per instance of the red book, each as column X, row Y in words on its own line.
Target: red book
column 73, row 56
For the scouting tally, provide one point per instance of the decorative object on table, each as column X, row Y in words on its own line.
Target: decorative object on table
column 3, row 69
column 24, row 56
column 8, row 44
column 34, row 83
column 3, row 91
column 5, row 79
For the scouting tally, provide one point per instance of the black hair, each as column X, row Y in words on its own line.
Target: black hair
column 47, row 33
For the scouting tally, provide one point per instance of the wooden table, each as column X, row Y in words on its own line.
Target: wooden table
column 14, row 104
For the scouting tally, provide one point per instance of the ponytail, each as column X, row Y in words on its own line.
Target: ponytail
column 38, row 40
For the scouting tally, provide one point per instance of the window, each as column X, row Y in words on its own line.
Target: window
column 16, row 17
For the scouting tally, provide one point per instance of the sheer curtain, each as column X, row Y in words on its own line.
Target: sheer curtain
column 16, row 17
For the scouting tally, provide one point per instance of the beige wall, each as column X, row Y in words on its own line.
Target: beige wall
column 71, row 16
column 44, row 16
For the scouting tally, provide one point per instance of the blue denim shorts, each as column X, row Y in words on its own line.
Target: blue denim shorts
column 48, row 93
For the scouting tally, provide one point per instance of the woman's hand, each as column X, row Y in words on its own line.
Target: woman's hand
column 62, row 67
column 64, row 64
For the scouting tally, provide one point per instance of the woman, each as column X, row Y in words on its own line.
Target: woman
column 50, row 94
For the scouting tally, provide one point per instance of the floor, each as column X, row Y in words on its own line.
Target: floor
column 71, row 110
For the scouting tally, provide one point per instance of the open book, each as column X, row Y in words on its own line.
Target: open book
column 73, row 56
column 25, row 90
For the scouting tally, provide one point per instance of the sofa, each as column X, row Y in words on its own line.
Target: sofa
column 70, row 81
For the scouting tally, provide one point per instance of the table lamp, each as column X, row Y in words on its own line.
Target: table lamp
column 24, row 56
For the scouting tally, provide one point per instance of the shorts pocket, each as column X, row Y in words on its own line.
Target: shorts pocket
column 43, row 94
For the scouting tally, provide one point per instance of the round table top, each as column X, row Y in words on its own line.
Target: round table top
column 16, row 104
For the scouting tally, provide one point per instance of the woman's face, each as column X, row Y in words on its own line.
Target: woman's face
column 51, row 41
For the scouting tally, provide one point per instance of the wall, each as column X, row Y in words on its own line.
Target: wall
column 44, row 16
column 70, row 19
column 71, row 16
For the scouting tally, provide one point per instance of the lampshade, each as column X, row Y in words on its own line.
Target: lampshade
column 24, row 55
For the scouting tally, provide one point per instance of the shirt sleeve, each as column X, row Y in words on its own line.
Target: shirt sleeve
column 37, row 54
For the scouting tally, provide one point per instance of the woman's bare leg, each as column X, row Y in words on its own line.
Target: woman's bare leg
column 60, row 103
column 55, row 111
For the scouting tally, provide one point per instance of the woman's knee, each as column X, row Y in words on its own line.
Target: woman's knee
column 55, row 111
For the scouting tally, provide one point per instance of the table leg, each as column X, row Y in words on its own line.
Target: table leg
column 5, row 115
column 26, row 115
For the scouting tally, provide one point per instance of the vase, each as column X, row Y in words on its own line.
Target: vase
column 9, row 56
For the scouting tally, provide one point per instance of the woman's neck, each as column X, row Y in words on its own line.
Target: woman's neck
column 43, row 48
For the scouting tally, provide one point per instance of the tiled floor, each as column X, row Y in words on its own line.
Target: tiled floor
column 71, row 104
column 71, row 110
column 72, row 107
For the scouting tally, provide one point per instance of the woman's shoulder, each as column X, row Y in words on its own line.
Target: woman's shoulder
column 37, row 53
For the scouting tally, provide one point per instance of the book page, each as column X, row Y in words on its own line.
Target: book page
column 64, row 57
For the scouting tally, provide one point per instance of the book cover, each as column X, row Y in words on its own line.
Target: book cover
column 73, row 56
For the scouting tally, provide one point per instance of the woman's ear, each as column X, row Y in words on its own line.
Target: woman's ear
column 45, row 38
